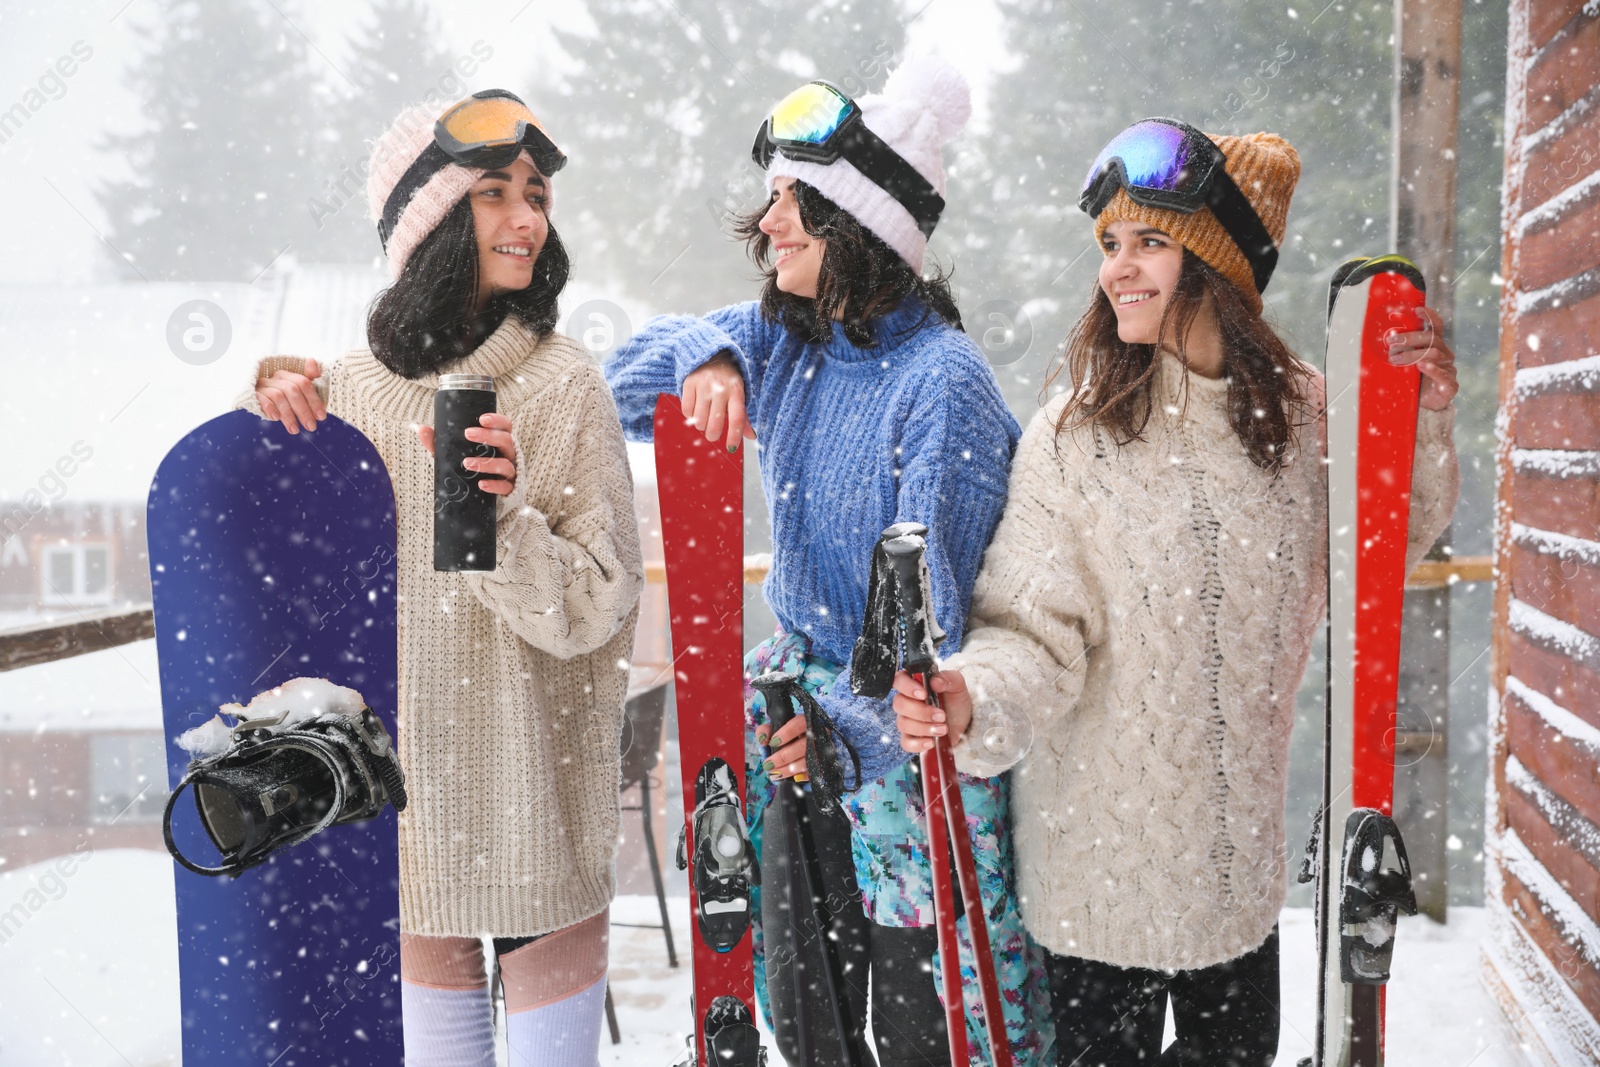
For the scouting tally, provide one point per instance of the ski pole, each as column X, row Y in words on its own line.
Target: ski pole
column 945, row 809
column 780, row 688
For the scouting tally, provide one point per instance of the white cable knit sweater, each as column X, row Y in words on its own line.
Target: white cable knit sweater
column 511, row 681
column 1152, row 609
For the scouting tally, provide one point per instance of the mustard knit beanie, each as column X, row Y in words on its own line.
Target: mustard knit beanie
column 1265, row 167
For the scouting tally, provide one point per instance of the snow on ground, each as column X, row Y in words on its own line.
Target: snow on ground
column 88, row 977
column 89, row 963
column 1439, row 1014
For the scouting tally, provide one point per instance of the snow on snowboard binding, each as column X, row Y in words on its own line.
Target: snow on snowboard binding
column 272, row 557
column 701, row 487
column 1355, row 854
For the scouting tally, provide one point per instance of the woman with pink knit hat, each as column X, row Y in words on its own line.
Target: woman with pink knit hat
column 870, row 407
column 511, row 680
column 1149, row 602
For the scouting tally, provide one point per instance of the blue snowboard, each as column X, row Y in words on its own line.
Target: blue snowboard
column 272, row 556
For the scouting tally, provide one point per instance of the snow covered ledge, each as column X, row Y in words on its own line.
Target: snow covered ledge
column 1553, row 1025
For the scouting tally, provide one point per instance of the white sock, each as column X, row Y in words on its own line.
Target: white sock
column 447, row 1027
column 562, row 1033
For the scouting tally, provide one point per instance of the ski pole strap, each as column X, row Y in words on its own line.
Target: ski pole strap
column 822, row 754
column 782, row 690
column 885, row 625
column 877, row 650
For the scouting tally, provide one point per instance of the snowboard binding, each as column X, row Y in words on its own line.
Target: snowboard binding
column 1372, row 896
column 725, row 865
column 277, row 783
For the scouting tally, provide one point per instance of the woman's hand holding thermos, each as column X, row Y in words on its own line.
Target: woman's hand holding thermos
column 494, row 430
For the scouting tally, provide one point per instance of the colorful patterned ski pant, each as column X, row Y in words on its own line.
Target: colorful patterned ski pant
column 889, row 844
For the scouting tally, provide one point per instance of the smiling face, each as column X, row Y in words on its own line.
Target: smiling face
column 508, row 216
column 797, row 256
column 1139, row 274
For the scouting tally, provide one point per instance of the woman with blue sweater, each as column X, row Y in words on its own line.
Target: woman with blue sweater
column 870, row 407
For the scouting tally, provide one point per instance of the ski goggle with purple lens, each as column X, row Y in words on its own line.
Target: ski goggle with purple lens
column 1160, row 162
column 1167, row 164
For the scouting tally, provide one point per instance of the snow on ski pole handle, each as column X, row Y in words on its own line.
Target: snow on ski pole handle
column 920, row 633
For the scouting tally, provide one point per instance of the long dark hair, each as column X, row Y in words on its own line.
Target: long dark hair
column 861, row 276
column 425, row 320
column 1267, row 385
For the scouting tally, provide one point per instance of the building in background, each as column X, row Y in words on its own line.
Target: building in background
column 1542, row 958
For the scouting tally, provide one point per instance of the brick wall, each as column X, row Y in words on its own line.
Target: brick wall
column 1542, row 959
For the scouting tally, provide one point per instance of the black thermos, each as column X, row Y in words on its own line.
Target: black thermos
column 463, row 514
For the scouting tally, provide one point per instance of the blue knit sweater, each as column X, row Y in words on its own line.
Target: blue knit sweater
column 850, row 440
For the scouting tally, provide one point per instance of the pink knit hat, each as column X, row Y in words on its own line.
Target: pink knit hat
column 393, row 155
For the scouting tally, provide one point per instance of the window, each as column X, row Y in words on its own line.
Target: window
column 127, row 777
column 77, row 574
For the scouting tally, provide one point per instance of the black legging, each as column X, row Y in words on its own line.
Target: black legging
column 1225, row 1015
column 907, row 1019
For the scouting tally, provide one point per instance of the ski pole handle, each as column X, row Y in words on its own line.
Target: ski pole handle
column 777, row 689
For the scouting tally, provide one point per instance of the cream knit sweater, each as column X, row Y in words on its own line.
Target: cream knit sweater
column 1152, row 609
column 511, row 681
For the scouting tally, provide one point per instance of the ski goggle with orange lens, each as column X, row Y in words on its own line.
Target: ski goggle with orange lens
column 491, row 128
column 1170, row 165
column 488, row 129
column 818, row 123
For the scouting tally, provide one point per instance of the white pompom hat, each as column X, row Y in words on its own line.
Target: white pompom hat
column 924, row 104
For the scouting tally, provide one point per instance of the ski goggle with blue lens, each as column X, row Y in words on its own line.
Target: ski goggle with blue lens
column 818, row 123
column 1167, row 164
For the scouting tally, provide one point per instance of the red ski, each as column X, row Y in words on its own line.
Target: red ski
column 702, row 526
column 1364, row 878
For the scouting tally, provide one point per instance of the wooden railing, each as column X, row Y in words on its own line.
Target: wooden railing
column 85, row 631
column 1429, row 574
column 46, row 642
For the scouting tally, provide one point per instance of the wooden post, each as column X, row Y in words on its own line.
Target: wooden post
column 1427, row 92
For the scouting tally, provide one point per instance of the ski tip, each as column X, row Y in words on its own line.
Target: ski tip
column 1353, row 272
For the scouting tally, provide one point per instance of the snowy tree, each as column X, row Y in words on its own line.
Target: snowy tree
column 1078, row 74
column 658, row 114
column 395, row 58
column 217, row 169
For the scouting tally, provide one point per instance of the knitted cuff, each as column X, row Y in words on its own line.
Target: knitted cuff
column 988, row 712
column 1436, row 427
column 265, row 368
column 698, row 343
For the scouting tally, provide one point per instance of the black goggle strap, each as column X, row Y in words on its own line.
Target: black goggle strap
column 1232, row 208
column 889, row 171
column 432, row 160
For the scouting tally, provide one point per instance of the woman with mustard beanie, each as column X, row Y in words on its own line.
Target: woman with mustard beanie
column 511, row 680
column 1150, row 600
